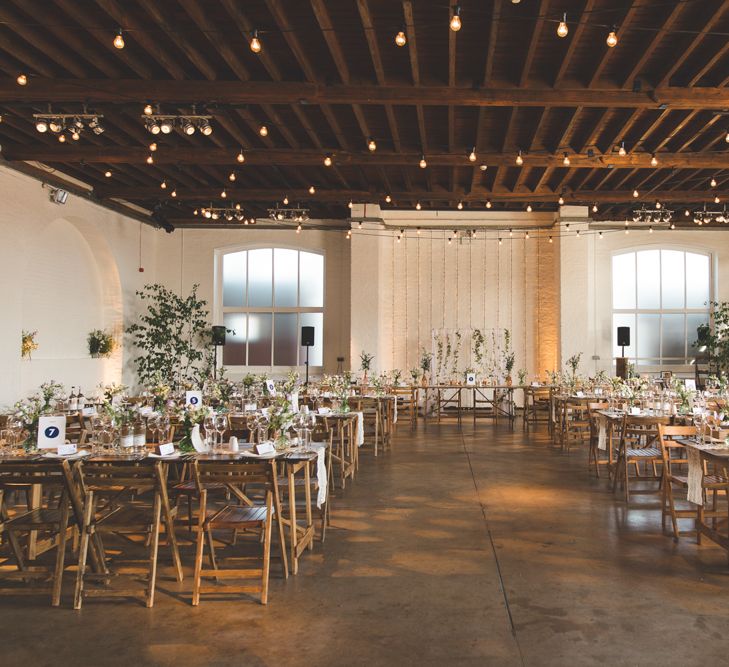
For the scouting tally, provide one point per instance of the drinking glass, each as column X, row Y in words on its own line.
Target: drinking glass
column 221, row 423
column 208, row 426
column 164, row 428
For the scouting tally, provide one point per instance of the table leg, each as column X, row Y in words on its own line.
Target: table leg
column 292, row 520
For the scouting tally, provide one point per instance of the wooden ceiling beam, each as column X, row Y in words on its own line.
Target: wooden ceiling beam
column 124, row 91
column 574, row 38
column 533, row 42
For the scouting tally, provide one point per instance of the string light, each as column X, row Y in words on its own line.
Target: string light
column 163, row 185
column 423, row 164
column 285, row 201
column 350, row 205
column 560, row 201
column 263, row 131
column 460, row 206
column 562, row 29
column 62, row 138
column 599, row 235
column 687, row 213
column 658, row 205
column 727, row 137
column 312, row 189
column 472, row 155
column 550, row 239
column 483, row 167
column 231, row 176
column 511, row 233
column 519, row 159
column 298, row 230
column 418, row 206
column 401, row 38
column 650, row 229
column 612, row 38
column 255, row 42
column 636, row 194
column 566, row 160
column 627, row 231
column 224, row 194
column 456, row 18
column 417, row 231
column 526, row 236
column 22, row 80
column 119, row 40
column 153, row 146
column 371, row 145
column 499, row 240
column 388, row 199
column 529, row 208
column 654, row 160
column 488, row 203
column 716, row 199
column 621, row 150
column 594, row 208
column 148, row 110
column 107, row 174
column 328, row 161
column 673, row 225
column 173, row 193
column 150, row 159
column 712, row 183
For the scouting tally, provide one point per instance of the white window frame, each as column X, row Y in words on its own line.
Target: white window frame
column 219, row 311
column 659, row 362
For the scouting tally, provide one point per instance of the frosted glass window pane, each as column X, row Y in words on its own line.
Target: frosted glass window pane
column 623, row 320
column 260, row 275
column 285, row 277
column 316, row 353
column 648, row 338
column 234, row 350
column 234, row 279
column 285, row 340
column 312, row 280
column 259, row 339
column 697, row 280
column 624, row 281
column 674, row 336
column 672, row 278
column 649, row 279
column 692, row 323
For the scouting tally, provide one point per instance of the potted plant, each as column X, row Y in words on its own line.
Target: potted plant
column 366, row 363
column 100, row 343
column 414, row 375
column 426, row 360
column 509, row 360
column 27, row 343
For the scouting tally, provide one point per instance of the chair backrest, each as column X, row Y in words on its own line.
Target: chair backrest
column 672, row 451
column 234, row 471
column 117, row 475
column 51, row 474
column 637, row 431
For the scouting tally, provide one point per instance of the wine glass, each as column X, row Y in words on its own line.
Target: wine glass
column 154, row 426
column 208, row 426
column 221, row 424
column 309, row 425
column 164, row 428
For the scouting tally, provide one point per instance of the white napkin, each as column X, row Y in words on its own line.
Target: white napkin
column 67, row 457
column 695, row 476
column 252, row 454
column 197, row 442
column 602, row 433
column 360, row 428
column 167, row 457
column 321, row 472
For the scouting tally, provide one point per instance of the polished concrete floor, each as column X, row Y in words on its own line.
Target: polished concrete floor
column 476, row 546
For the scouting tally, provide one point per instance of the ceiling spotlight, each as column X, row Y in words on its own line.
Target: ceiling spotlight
column 95, row 126
column 529, row 208
column 119, row 40
column 562, row 29
column 388, row 199
column 519, row 159
column 75, row 135
column 401, row 39
column 328, row 161
column 231, row 176
column 371, row 145
column 472, row 155
column 612, row 38
column 187, row 127
column 654, row 160
column 712, row 183
column 152, row 126
column 418, row 206
column 636, row 194
column 41, row 125
column 456, row 18
column 312, row 189
column 241, row 158
column 54, row 126
column 165, row 126
column 205, row 127
column 566, row 160
column 621, row 150
column 423, row 164
column 263, row 131
column 255, row 42
column 483, row 167
column 107, row 173
column 22, row 80
column 148, row 110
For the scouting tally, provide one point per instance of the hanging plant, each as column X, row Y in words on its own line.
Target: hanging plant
column 28, row 344
column 101, row 343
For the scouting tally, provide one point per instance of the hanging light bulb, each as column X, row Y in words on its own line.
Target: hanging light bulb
column 562, row 29
column 472, row 155
column 456, row 18
column 560, row 201
column 255, row 42
column 519, row 159
column 621, row 150
column 594, row 208
column 22, row 80
column 483, row 167
column 511, row 233
column 312, row 189
column 578, row 233
column 550, row 239
column 153, row 146
column 418, row 206
column 529, row 208
column 285, row 201
column 119, row 40
column 599, row 235
column 388, row 199
column 298, row 229
column 224, row 194
column 401, row 39
column 460, row 206
column 499, row 240
column 327, row 160
column 566, row 160
column 173, row 193
column 654, row 160
column 636, row 194
column 716, row 199
column 371, row 145
column 726, row 138
column 423, row 164
column 488, row 203
column 150, row 159
column 350, row 205
column 148, row 110
column 107, row 174
column 658, row 205
column 163, row 185
column 417, row 231
column 240, row 157
column 231, row 176
column 526, row 236
column 712, row 183
column 612, row 38
column 263, row 131
column 62, row 138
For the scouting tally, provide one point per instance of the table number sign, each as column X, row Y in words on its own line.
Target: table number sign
column 265, row 448
column 51, row 431
column 193, row 398
column 690, row 384
column 470, row 379
column 271, row 387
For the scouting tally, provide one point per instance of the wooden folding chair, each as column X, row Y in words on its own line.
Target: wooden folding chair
column 638, row 450
column 258, row 518
column 114, row 503
column 407, row 404
column 576, row 423
column 55, row 481
column 595, row 428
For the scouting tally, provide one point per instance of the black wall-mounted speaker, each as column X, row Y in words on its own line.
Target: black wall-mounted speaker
column 624, row 336
column 307, row 336
column 218, row 335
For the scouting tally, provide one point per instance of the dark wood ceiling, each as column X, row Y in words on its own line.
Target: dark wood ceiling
column 330, row 77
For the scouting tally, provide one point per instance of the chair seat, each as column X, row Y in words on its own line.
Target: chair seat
column 237, row 515
column 190, row 487
column 709, row 480
column 644, row 453
column 299, row 481
column 36, row 519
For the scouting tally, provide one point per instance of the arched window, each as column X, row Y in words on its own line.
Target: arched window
column 663, row 295
column 266, row 295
